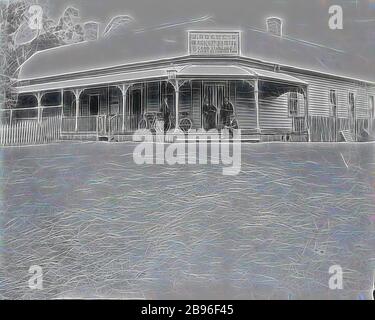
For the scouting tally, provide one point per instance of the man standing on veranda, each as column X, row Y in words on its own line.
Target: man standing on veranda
column 165, row 111
column 226, row 112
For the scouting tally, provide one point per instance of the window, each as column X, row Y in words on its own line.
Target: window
column 51, row 99
column 69, row 104
column 167, row 91
column 293, row 104
column 153, row 98
column 351, row 104
column 185, row 97
column 333, row 103
column 94, row 104
column 114, row 101
column 371, row 106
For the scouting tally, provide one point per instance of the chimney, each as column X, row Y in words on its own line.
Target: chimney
column 91, row 30
column 275, row 26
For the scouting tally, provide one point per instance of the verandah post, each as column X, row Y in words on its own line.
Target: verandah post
column 177, row 94
column 124, row 94
column 124, row 90
column 172, row 79
column 77, row 110
column 39, row 107
column 307, row 125
column 256, row 97
column 62, row 103
column 77, row 94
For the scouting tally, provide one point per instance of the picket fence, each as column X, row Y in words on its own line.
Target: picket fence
column 30, row 132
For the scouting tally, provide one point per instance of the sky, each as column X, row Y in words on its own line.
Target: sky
column 303, row 19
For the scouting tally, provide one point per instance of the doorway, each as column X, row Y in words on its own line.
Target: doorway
column 135, row 108
column 94, row 104
column 371, row 103
column 351, row 100
column 213, row 94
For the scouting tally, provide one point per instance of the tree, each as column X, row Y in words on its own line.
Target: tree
column 19, row 41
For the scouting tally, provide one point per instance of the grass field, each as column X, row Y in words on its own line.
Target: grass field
column 101, row 226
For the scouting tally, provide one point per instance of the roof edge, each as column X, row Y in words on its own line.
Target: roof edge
column 190, row 58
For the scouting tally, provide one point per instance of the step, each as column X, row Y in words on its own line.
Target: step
column 347, row 135
column 251, row 138
column 103, row 138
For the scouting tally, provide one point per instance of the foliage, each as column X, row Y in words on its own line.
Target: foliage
column 19, row 42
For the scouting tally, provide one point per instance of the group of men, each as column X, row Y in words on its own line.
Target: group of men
column 209, row 112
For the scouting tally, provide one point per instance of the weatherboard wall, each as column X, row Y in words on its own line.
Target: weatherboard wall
column 319, row 89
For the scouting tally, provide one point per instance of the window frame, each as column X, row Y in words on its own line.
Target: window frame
column 293, row 104
column 97, row 95
column 333, row 105
column 350, row 93
column 371, row 106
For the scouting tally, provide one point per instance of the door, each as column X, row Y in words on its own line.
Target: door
column 333, row 114
column 94, row 104
column 371, row 104
column 89, row 123
column 351, row 105
column 214, row 94
column 135, row 110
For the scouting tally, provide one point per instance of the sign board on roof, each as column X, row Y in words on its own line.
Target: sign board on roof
column 214, row 43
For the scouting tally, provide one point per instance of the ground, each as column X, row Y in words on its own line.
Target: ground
column 101, row 226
